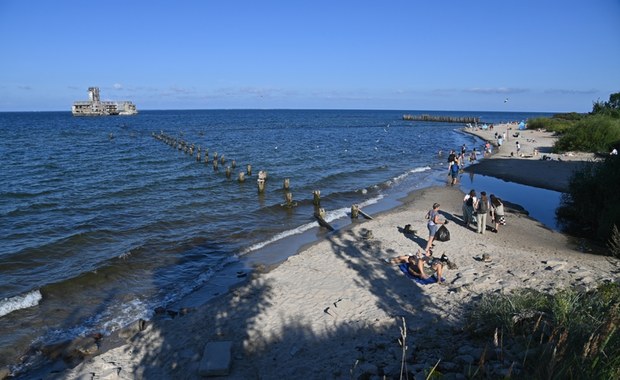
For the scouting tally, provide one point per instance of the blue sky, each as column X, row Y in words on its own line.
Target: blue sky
column 549, row 56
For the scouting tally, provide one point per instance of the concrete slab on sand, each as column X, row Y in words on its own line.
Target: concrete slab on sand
column 216, row 359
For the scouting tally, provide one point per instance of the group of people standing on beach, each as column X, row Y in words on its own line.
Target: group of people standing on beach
column 475, row 208
column 475, row 211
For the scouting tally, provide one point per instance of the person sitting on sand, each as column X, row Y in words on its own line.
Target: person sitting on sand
column 416, row 265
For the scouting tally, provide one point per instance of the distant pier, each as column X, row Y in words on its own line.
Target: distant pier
column 443, row 119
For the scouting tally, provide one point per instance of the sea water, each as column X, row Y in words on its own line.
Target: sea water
column 100, row 222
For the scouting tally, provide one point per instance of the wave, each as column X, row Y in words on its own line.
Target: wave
column 331, row 215
column 401, row 177
column 11, row 304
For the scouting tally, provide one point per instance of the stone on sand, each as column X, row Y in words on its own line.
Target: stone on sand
column 216, row 359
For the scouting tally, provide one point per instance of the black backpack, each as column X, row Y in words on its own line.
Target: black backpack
column 442, row 234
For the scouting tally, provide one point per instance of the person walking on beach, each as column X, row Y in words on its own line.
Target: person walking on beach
column 454, row 172
column 497, row 212
column 451, row 157
column 433, row 225
column 482, row 209
column 468, row 207
column 518, row 149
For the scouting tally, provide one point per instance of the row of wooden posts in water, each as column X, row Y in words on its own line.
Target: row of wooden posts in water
column 444, row 119
column 190, row 148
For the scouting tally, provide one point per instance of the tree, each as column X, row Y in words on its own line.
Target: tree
column 609, row 108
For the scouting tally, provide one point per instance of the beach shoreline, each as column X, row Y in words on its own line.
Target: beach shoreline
column 527, row 167
column 336, row 302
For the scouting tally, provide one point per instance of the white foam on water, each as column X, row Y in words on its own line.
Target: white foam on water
column 23, row 301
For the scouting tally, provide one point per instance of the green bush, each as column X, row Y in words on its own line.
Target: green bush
column 597, row 133
column 574, row 116
column 592, row 205
column 556, row 125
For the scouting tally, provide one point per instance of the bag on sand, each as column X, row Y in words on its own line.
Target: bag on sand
column 442, row 234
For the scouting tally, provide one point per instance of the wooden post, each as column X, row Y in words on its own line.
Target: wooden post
column 215, row 155
column 198, row 156
column 320, row 216
column 287, row 184
column 228, row 172
column 364, row 214
column 214, row 164
column 241, row 177
column 233, row 164
column 249, row 169
column 261, row 185
column 262, row 174
column 316, row 197
column 288, row 199
column 355, row 210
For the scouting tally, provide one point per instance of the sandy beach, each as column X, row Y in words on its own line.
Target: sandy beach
column 336, row 309
column 528, row 167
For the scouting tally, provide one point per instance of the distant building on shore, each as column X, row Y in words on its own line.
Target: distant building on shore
column 95, row 107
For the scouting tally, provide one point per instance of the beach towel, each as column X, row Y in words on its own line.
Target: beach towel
column 431, row 280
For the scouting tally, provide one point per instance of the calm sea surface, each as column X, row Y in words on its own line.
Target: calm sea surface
column 100, row 222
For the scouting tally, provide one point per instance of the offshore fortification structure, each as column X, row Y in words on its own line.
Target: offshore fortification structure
column 95, row 107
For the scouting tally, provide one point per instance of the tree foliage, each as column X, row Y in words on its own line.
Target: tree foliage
column 591, row 207
column 596, row 133
column 609, row 108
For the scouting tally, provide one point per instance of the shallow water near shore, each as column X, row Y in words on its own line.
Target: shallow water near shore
column 101, row 223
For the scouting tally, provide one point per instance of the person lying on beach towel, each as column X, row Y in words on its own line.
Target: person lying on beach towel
column 415, row 265
column 430, row 280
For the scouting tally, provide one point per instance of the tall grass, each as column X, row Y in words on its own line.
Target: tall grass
column 569, row 335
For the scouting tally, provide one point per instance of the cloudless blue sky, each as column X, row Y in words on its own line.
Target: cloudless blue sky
column 550, row 56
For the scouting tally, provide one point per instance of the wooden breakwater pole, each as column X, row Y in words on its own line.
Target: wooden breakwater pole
column 442, row 119
column 262, row 179
column 288, row 200
column 287, row 184
column 316, row 198
column 356, row 211
column 320, row 217
column 261, row 185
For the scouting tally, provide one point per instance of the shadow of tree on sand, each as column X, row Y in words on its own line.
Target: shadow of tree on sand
column 338, row 338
